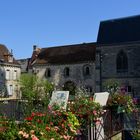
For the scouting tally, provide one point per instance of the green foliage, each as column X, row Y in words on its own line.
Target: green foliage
column 119, row 100
column 35, row 92
column 33, row 88
column 8, row 129
column 123, row 103
column 28, row 83
column 86, row 110
column 3, row 91
column 111, row 86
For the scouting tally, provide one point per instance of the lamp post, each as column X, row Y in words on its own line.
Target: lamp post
column 100, row 70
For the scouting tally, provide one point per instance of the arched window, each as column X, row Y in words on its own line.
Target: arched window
column 48, row 72
column 87, row 70
column 122, row 62
column 66, row 72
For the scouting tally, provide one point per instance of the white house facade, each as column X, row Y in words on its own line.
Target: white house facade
column 9, row 75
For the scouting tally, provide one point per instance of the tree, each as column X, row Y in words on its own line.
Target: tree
column 35, row 91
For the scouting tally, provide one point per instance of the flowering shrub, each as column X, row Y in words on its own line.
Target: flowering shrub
column 123, row 102
column 55, row 124
column 86, row 110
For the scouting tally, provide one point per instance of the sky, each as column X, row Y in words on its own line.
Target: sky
column 49, row 23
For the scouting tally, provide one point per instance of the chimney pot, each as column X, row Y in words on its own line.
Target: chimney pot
column 34, row 47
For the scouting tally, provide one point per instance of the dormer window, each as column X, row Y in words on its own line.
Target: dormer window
column 10, row 58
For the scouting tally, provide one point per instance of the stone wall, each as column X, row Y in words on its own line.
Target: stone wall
column 108, row 55
column 75, row 75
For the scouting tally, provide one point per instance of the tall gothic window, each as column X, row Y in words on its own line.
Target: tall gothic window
column 122, row 62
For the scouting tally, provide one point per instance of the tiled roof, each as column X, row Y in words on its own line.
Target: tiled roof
column 4, row 52
column 67, row 54
column 120, row 30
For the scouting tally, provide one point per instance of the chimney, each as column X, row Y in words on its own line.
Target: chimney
column 10, row 59
column 34, row 47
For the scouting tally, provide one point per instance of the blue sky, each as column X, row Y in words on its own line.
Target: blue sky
column 47, row 23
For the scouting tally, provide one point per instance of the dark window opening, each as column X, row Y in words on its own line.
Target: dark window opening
column 129, row 89
column 67, row 72
column 48, row 73
column 122, row 62
column 87, row 70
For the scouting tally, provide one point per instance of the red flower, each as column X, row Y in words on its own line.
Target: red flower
column 39, row 121
column 47, row 128
column 29, row 118
column 69, row 125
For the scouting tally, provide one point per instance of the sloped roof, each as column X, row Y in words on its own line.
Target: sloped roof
column 120, row 30
column 67, row 54
column 4, row 52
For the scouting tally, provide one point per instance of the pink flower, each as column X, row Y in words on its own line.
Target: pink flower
column 34, row 137
column 98, row 122
column 56, row 128
column 95, row 112
column 33, row 114
column 49, row 107
column 51, row 123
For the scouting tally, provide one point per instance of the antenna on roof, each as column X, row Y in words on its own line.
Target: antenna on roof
column 11, row 52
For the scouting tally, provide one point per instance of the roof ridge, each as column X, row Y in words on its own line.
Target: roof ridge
column 120, row 18
column 72, row 45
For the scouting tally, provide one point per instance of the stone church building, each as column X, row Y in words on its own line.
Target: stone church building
column 118, row 53
column 67, row 67
column 115, row 55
